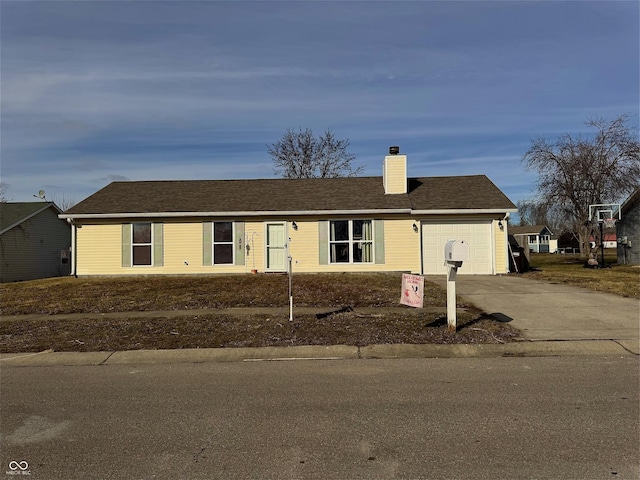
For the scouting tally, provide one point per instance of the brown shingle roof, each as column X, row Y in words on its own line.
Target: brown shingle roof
column 457, row 193
column 13, row 213
column 527, row 229
column 291, row 195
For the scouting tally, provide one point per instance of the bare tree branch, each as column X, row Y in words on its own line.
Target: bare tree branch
column 301, row 155
column 4, row 197
column 575, row 172
column 64, row 202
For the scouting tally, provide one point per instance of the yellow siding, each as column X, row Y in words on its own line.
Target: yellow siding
column 254, row 234
column 182, row 247
column 99, row 248
column 402, row 246
column 304, row 247
column 401, row 243
column 183, row 243
column 395, row 174
column 501, row 252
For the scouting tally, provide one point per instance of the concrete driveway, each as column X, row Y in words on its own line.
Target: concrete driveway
column 548, row 311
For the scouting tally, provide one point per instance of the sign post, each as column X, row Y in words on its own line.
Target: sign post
column 452, row 271
column 290, row 275
column 455, row 252
column 290, row 270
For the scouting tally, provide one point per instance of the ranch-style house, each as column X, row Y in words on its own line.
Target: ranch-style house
column 350, row 224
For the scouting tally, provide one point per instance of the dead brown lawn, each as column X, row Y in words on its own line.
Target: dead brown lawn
column 124, row 294
column 221, row 330
column 623, row 280
column 129, row 331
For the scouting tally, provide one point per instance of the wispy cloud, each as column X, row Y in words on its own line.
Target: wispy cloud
column 94, row 92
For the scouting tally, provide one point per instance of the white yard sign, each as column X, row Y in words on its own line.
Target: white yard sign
column 412, row 290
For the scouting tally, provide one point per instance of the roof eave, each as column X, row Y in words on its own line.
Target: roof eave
column 458, row 211
column 628, row 203
column 265, row 213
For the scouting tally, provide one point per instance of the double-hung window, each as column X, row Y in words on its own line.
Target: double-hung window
column 141, row 244
column 222, row 243
column 351, row 241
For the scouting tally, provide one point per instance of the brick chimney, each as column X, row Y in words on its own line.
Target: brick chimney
column 394, row 172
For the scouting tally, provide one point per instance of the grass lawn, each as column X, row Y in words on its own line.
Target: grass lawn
column 87, row 298
column 621, row 280
column 127, row 329
column 152, row 293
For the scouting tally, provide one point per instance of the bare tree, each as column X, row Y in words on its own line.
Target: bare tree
column 532, row 212
column 4, row 197
column 575, row 172
column 64, row 202
column 301, row 155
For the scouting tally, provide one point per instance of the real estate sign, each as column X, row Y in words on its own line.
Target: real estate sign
column 412, row 290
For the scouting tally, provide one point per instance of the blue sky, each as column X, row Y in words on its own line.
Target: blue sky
column 94, row 92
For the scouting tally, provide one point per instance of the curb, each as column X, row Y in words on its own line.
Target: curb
column 315, row 352
column 516, row 349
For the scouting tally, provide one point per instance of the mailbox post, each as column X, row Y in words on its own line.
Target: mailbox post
column 455, row 252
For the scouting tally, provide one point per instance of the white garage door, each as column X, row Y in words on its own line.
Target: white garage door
column 476, row 233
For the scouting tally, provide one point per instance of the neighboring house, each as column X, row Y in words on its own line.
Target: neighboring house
column 538, row 238
column 628, row 231
column 610, row 241
column 34, row 241
column 349, row 224
column 568, row 242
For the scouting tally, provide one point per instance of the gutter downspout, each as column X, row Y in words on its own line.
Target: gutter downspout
column 505, row 232
column 494, row 260
column 73, row 247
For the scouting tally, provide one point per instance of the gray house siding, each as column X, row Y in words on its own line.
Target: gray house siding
column 31, row 250
column 629, row 226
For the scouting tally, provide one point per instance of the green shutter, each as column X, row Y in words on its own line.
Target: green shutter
column 323, row 242
column 158, row 250
column 378, row 232
column 207, row 244
column 126, row 244
column 238, row 228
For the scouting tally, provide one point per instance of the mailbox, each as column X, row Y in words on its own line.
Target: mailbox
column 456, row 251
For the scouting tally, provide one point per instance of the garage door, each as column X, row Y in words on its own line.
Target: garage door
column 477, row 234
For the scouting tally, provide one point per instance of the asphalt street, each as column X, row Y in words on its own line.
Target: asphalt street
column 493, row 418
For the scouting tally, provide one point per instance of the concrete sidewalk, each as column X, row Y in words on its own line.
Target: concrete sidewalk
column 317, row 353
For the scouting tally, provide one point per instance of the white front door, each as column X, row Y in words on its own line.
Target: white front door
column 276, row 247
column 476, row 233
